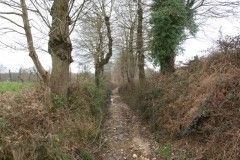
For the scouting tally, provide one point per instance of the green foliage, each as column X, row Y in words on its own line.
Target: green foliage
column 100, row 96
column 166, row 151
column 170, row 19
column 13, row 86
column 3, row 123
column 85, row 155
column 59, row 101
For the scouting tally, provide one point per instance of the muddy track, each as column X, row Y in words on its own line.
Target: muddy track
column 124, row 135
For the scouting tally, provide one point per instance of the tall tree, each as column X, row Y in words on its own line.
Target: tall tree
column 64, row 14
column 126, row 11
column 96, row 38
column 170, row 18
column 102, row 59
column 60, row 47
column 140, row 50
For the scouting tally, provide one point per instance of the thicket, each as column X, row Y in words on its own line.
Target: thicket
column 31, row 129
column 195, row 112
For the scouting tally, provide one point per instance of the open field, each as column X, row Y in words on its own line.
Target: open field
column 13, row 86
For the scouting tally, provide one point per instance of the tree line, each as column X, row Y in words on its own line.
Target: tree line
column 99, row 29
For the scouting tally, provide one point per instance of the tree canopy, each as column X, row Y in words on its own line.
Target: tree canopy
column 171, row 19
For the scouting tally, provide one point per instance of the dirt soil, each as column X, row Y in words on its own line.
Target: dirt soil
column 125, row 136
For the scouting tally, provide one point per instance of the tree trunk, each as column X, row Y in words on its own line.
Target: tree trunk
column 32, row 51
column 60, row 48
column 140, row 51
column 97, row 76
column 100, row 59
column 131, row 55
column 60, row 77
column 99, row 70
column 167, row 67
column 29, row 76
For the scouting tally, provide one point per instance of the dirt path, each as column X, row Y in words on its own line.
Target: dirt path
column 125, row 137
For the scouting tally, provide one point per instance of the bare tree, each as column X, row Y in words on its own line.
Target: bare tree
column 214, row 8
column 31, row 48
column 132, row 37
column 126, row 12
column 64, row 14
column 97, row 39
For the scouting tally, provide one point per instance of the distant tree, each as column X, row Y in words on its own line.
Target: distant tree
column 96, row 39
column 20, row 77
column 2, row 70
column 10, row 75
column 126, row 25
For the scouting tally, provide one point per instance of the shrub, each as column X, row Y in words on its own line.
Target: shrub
column 29, row 130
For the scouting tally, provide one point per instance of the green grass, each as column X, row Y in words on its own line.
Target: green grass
column 166, row 151
column 13, row 86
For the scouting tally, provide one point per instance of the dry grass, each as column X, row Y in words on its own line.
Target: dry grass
column 171, row 103
column 29, row 130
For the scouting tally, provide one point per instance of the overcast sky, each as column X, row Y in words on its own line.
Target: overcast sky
column 205, row 38
column 208, row 35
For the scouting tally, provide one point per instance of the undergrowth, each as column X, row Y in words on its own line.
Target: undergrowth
column 196, row 109
column 29, row 130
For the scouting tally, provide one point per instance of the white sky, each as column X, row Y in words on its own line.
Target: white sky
column 207, row 36
column 196, row 46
